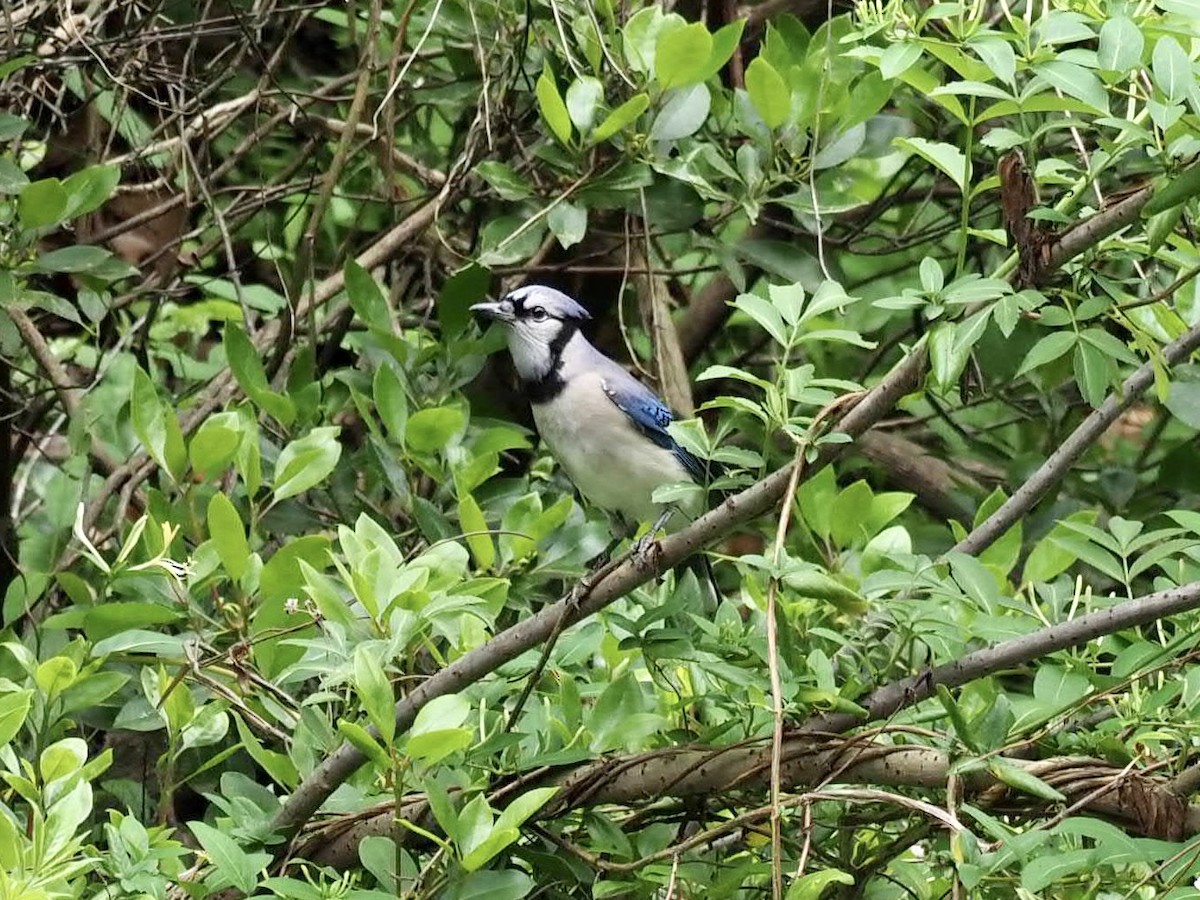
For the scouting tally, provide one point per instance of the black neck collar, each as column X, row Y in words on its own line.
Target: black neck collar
column 550, row 385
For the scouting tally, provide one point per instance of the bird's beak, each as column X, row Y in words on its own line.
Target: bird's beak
column 494, row 311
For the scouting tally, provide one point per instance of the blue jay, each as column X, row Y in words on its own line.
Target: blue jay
column 606, row 429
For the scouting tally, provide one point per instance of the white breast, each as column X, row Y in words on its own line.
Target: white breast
column 613, row 464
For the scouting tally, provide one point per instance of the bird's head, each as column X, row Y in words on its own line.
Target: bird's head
column 540, row 321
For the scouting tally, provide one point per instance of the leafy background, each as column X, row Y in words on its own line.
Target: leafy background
column 294, row 603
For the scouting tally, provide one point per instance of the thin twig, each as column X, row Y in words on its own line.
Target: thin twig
column 785, row 515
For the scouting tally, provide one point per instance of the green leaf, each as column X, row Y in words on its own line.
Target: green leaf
column 89, row 188
column 946, row 157
column 69, row 812
column 898, row 58
column 361, row 739
column 1048, row 349
column 275, row 764
column 11, row 850
column 378, row 856
column 11, row 126
column 521, row 809
column 973, row 577
column 812, row 886
column 814, row 584
column 440, row 713
column 724, row 43
column 621, row 117
column 14, row 707
column 366, row 299
column 851, row 511
column 55, row 675
column 933, row 279
column 765, row 314
column 551, row 105
column 228, row 535
column 106, row 619
column 241, row 868
column 138, row 641
column 1160, row 226
column 640, row 35
column 504, row 179
column 436, row 731
column 246, row 363
column 467, row 286
column 375, row 691
column 681, row 55
column 1183, row 396
column 1093, row 373
column 1059, row 687
column 957, row 719
column 475, row 527
column 306, row 462
column 1024, row 781
column 146, row 412
column 431, row 429
column 1004, row 553
column 830, row 296
column 443, row 809
column 684, row 111
column 950, row 346
column 1109, row 345
column 568, row 222
column 1121, row 45
column 12, row 179
column 496, row 840
column 841, row 146
column 1177, row 191
column 769, row 93
column 1048, row 561
column 997, row 54
column 72, row 259
column 1075, row 81
column 42, row 203
column 925, row 82
column 1172, row 69
column 584, row 97
column 391, row 401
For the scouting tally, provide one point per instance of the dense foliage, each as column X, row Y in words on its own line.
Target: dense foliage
column 294, row 602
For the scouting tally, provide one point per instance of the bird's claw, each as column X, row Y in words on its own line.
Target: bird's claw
column 644, row 546
column 647, row 544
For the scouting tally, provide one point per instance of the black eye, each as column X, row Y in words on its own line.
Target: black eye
column 538, row 314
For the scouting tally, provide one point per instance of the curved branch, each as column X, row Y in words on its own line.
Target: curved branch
column 1139, row 803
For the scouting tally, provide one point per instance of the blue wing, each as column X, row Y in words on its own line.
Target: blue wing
column 651, row 416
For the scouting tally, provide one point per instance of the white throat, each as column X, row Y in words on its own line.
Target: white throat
column 534, row 357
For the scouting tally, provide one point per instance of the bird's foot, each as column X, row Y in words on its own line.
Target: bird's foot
column 645, row 545
column 582, row 588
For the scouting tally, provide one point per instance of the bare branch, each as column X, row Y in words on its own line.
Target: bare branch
column 69, row 395
column 886, row 701
column 1069, row 451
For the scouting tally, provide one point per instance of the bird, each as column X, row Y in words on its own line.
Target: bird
column 606, row 429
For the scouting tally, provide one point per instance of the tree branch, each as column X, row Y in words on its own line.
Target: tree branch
column 69, row 395
column 886, row 701
column 1138, row 802
column 1089, row 430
